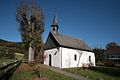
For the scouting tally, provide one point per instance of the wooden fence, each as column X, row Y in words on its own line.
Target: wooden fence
column 7, row 71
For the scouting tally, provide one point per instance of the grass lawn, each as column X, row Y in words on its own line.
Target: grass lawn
column 30, row 72
column 24, row 72
column 97, row 73
column 19, row 56
column 5, row 61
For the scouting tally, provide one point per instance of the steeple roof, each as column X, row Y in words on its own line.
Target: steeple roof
column 55, row 25
column 55, row 20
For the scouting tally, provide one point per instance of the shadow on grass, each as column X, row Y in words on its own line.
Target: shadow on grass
column 111, row 71
column 6, row 74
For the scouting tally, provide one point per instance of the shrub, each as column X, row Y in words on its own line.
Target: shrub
column 7, row 53
column 108, row 63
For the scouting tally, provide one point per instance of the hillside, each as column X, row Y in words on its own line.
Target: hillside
column 10, row 44
column 16, row 46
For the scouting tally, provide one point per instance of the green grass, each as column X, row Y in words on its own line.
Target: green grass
column 31, row 74
column 6, row 61
column 24, row 75
column 24, row 72
column 97, row 73
column 51, row 75
column 1, row 47
column 19, row 56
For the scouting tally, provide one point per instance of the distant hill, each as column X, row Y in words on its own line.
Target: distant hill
column 10, row 44
column 16, row 46
column 3, row 40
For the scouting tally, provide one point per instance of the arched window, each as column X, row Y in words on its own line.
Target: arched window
column 75, row 57
column 89, row 58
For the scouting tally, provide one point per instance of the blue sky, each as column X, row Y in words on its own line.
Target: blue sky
column 97, row 22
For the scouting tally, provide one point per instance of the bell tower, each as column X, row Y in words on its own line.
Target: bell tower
column 55, row 25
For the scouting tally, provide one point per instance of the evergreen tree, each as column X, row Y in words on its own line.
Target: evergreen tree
column 98, row 54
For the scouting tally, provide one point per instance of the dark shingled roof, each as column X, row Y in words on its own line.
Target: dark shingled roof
column 68, row 41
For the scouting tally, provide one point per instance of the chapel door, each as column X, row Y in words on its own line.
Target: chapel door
column 50, row 58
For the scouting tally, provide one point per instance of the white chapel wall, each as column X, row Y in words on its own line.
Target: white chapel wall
column 68, row 56
column 55, row 57
column 65, row 57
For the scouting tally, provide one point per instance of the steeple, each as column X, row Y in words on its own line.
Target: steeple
column 55, row 25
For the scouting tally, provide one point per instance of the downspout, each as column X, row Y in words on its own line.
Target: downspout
column 80, row 53
column 78, row 60
column 61, row 57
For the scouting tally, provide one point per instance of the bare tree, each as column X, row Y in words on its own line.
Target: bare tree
column 31, row 20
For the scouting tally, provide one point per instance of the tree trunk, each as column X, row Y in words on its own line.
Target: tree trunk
column 31, row 55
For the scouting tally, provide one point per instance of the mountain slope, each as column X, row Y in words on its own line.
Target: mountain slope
column 10, row 44
column 16, row 46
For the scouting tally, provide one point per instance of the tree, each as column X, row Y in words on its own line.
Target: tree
column 112, row 44
column 31, row 20
column 98, row 53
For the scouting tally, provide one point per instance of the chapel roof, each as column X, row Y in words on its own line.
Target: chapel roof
column 70, row 42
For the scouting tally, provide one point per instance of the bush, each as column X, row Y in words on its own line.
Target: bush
column 7, row 53
column 108, row 63
column 100, row 63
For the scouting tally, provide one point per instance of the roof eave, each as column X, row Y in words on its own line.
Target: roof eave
column 76, row 48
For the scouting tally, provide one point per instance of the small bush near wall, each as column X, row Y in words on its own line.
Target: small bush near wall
column 108, row 63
